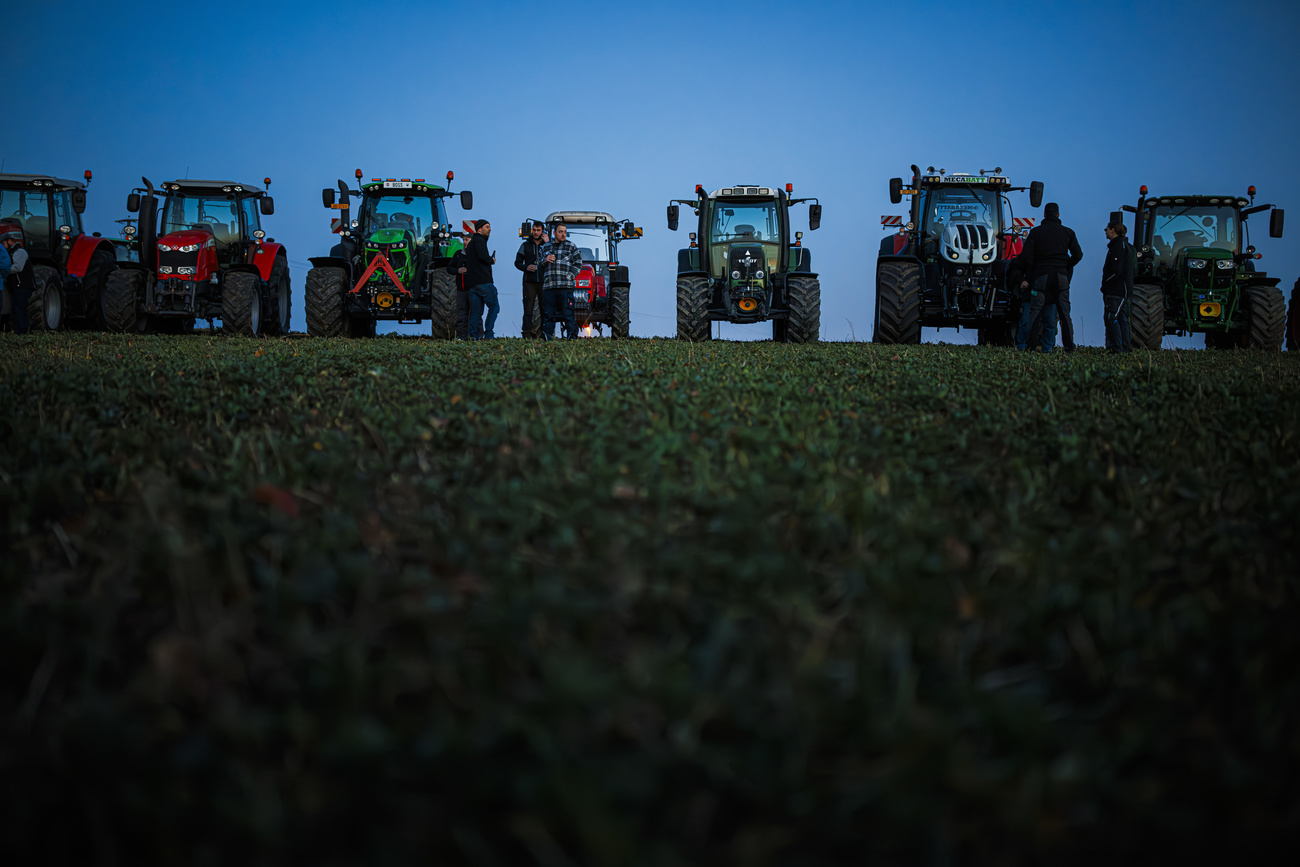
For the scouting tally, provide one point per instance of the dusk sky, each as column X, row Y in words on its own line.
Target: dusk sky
column 622, row 107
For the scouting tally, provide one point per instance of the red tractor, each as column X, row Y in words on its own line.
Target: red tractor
column 69, row 267
column 202, row 255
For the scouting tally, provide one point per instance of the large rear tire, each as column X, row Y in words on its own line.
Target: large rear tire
column 620, row 325
column 45, row 306
column 123, row 301
column 898, row 303
column 805, row 296
column 1146, row 316
column 442, row 305
column 1293, row 320
column 281, row 308
column 1267, row 325
column 324, row 302
column 692, row 309
column 241, row 304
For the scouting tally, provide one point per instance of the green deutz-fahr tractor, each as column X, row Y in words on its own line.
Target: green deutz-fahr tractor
column 744, row 268
column 390, row 263
column 1196, row 273
column 946, row 268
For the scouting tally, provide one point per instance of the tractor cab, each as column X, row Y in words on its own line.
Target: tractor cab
column 200, row 227
column 47, row 208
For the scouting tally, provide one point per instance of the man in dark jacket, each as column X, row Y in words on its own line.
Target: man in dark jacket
column 526, row 261
column 1051, row 251
column 1116, row 284
column 457, row 267
column 478, row 277
column 18, row 283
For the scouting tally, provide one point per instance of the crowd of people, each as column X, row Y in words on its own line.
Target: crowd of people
column 549, row 269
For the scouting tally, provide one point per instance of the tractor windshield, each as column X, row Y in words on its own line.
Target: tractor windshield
column 32, row 212
column 734, row 222
column 217, row 214
column 957, row 204
column 1174, row 228
column 592, row 242
column 415, row 214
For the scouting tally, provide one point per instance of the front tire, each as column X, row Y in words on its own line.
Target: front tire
column 241, row 304
column 692, row 309
column 1293, row 320
column 45, row 306
column 324, row 302
column 805, row 297
column 898, row 303
column 442, row 305
column 620, row 325
column 1146, row 316
column 1267, row 309
column 123, row 301
column 281, row 298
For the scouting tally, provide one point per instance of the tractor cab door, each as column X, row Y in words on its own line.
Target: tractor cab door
column 249, row 222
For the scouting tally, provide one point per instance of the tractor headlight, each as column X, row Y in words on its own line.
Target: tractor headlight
column 758, row 275
column 1224, row 264
column 189, row 270
column 165, row 248
column 1198, row 264
column 735, row 275
column 952, row 254
column 988, row 256
column 188, row 248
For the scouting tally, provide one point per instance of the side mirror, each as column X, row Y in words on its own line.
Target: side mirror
column 814, row 217
column 1275, row 223
column 895, row 190
column 1117, row 216
column 327, row 196
column 79, row 201
column 133, row 203
column 466, row 200
column 525, row 228
column 673, row 214
column 1036, row 194
column 628, row 229
column 268, row 206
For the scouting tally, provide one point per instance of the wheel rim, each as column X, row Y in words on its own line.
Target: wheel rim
column 53, row 308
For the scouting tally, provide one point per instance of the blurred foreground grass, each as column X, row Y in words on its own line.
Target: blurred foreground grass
column 644, row 603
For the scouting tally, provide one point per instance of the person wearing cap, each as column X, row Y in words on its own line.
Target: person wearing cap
column 1048, row 258
column 15, row 276
column 478, row 277
column 526, row 261
column 560, row 264
column 1116, row 284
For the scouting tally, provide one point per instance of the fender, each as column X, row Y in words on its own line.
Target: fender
column 914, row 260
column 1260, row 279
column 82, row 249
column 264, row 257
column 330, row 262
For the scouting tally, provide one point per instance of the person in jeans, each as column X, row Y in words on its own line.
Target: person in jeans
column 1116, row 281
column 526, row 261
column 1048, row 258
column 560, row 264
column 478, row 277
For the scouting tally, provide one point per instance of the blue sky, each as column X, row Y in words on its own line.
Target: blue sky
column 622, row 107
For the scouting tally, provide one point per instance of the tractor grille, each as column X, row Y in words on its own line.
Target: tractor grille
column 397, row 256
column 970, row 236
column 175, row 260
column 1200, row 278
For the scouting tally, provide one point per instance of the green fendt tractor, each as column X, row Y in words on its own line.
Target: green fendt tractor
column 390, row 263
column 1196, row 273
column 744, row 267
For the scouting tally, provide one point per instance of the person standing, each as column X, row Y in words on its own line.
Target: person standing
column 1116, row 284
column 560, row 265
column 457, row 267
column 478, row 277
column 1050, row 253
column 526, row 261
column 18, row 279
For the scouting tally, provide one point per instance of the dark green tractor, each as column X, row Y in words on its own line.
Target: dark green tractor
column 390, row 263
column 744, row 267
column 1196, row 273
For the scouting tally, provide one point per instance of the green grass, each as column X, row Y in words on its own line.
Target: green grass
column 645, row 603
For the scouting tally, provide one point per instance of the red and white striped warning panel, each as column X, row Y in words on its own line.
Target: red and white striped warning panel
column 1023, row 222
column 336, row 224
column 468, row 226
column 891, row 221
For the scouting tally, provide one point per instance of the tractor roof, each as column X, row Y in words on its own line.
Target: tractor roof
column 1227, row 201
column 993, row 180
column 580, row 217
column 382, row 186
column 191, row 185
column 744, row 190
column 12, row 181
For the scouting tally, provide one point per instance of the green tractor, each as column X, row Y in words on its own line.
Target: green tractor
column 745, row 268
column 1196, row 273
column 390, row 263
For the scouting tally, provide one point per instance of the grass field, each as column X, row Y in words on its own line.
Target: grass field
column 644, row 602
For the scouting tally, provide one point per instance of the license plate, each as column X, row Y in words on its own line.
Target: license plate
column 397, row 185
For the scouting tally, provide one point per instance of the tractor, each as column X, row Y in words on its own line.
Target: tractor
column 391, row 261
column 602, row 289
column 69, row 267
column 201, row 255
column 742, row 266
column 1196, row 272
column 947, row 266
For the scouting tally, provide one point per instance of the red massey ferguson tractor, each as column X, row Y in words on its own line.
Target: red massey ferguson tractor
column 203, row 255
column 69, row 267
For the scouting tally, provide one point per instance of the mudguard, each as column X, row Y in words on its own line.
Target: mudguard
column 264, row 257
column 330, row 262
column 82, row 249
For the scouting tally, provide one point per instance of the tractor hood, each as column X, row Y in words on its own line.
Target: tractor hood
column 969, row 241
column 197, row 238
column 388, row 236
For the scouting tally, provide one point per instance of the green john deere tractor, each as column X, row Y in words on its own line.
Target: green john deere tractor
column 1196, row 273
column 390, row 262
